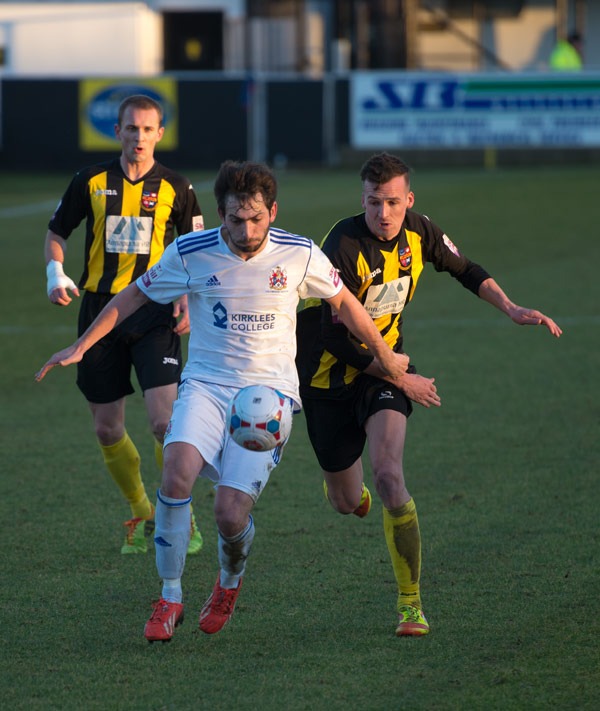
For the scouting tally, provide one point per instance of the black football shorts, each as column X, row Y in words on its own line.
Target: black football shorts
column 336, row 425
column 145, row 341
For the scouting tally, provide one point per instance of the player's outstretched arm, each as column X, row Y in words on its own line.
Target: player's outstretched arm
column 532, row 317
column 69, row 355
column 356, row 319
column 491, row 292
column 118, row 308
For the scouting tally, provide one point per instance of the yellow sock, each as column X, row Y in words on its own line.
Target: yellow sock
column 403, row 538
column 123, row 462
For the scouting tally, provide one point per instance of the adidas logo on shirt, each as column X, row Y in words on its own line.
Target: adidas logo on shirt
column 213, row 281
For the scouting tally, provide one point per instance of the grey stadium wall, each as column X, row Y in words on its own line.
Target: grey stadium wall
column 302, row 123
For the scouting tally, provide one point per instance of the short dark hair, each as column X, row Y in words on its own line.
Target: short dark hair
column 382, row 167
column 140, row 101
column 243, row 179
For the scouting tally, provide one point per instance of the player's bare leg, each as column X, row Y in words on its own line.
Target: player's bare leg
column 122, row 460
column 159, row 406
column 386, row 431
column 182, row 462
column 236, row 534
column 346, row 492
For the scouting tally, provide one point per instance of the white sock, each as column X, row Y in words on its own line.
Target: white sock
column 232, row 555
column 171, row 535
column 171, row 590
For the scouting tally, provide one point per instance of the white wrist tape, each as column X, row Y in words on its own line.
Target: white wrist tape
column 57, row 278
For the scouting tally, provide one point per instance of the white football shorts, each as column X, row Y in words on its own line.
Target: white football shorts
column 199, row 419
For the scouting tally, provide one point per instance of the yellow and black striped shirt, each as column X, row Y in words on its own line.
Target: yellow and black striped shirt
column 128, row 224
column 383, row 276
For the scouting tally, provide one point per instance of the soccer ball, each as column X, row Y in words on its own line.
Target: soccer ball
column 259, row 418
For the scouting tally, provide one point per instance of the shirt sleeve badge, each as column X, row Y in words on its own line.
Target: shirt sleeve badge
column 450, row 244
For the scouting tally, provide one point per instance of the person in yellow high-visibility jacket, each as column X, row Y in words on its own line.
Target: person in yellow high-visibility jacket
column 567, row 54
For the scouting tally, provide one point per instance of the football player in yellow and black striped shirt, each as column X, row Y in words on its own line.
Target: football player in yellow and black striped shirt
column 380, row 254
column 132, row 206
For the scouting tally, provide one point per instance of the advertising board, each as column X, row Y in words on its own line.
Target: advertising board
column 422, row 110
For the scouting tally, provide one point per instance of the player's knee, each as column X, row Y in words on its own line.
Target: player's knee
column 108, row 433
column 175, row 488
column 230, row 524
column 232, row 513
column 344, row 502
column 175, row 483
column 158, row 427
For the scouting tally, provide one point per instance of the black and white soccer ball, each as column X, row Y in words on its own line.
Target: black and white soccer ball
column 259, row 418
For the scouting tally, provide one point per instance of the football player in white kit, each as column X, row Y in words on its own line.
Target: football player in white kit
column 244, row 280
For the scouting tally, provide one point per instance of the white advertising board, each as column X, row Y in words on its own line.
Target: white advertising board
column 418, row 110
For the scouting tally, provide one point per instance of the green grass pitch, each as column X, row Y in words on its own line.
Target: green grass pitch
column 505, row 476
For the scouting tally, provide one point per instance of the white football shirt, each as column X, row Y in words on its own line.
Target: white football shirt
column 242, row 313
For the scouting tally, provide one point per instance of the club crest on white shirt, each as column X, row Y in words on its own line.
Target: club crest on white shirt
column 278, row 278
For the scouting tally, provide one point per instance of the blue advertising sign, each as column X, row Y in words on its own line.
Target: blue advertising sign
column 99, row 101
column 415, row 110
